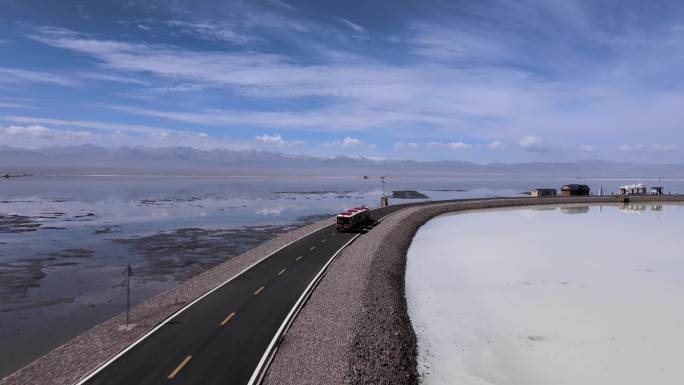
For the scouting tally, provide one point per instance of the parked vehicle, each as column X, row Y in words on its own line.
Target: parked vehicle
column 352, row 218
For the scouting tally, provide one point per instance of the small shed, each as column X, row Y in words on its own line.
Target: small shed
column 575, row 190
column 543, row 192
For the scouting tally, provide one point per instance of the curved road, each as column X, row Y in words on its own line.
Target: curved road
column 222, row 337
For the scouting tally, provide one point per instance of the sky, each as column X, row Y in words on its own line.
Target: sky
column 482, row 81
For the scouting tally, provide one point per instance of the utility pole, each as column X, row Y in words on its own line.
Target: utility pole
column 129, row 272
column 384, row 201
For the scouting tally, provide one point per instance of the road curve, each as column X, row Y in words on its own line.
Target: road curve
column 222, row 337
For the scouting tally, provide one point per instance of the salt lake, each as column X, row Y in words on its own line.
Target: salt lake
column 580, row 294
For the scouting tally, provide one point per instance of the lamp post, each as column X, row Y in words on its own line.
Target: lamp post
column 384, row 201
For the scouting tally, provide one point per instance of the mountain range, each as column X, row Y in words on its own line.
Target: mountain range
column 91, row 159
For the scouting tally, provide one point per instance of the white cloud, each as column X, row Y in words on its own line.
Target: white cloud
column 181, row 88
column 83, row 124
column 587, row 148
column 212, row 31
column 485, row 102
column 277, row 141
column 283, row 4
column 42, row 132
column 664, row 147
column 432, row 145
column 533, row 143
column 497, row 145
column 349, row 143
column 452, row 145
column 627, row 148
column 331, row 120
column 270, row 139
column 406, row 146
column 649, row 148
column 113, row 78
column 34, row 136
column 15, row 105
column 14, row 75
column 352, row 25
column 444, row 43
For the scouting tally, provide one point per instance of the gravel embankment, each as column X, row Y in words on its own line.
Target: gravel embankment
column 72, row 361
column 355, row 327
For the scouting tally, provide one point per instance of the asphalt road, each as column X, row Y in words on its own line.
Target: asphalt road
column 221, row 338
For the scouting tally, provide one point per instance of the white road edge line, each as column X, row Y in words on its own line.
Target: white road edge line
column 181, row 310
column 265, row 362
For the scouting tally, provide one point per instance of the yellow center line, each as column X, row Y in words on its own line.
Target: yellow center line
column 281, row 272
column 230, row 316
column 312, row 248
column 179, row 367
column 259, row 290
column 298, row 258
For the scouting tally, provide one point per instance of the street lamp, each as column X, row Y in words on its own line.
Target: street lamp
column 384, row 201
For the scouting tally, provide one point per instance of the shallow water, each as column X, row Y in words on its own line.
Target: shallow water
column 549, row 295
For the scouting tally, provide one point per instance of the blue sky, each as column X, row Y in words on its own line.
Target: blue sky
column 484, row 81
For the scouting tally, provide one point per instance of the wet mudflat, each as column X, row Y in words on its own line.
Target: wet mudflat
column 549, row 295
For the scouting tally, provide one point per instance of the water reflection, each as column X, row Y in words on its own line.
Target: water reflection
column 632, row 208
column 575, row 210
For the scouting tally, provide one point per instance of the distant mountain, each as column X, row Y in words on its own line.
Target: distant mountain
column 90, row 159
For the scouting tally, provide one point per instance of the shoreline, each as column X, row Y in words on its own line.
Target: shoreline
column 354, row 328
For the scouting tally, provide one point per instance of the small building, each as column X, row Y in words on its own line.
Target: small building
column 575, row 190
column 657, row 190
column 632, row 189
column 543, row 192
